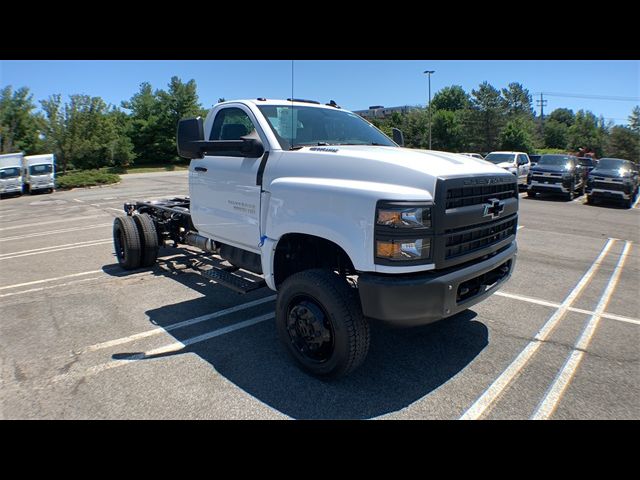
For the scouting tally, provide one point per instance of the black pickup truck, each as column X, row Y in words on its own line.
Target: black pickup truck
column 559, row 174
column 613, row 179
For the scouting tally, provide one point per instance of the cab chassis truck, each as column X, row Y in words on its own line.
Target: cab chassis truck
column 344, row 223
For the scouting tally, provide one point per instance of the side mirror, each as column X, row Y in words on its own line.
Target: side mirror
column 190, row 131
column 191, row 143
column 398, row 137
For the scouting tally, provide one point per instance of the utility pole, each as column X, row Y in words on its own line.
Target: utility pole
column 429, row 72
column 541, row 103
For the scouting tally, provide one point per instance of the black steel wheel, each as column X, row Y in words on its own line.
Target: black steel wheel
column 319, row 320
column 149, row 239
column 126, row 242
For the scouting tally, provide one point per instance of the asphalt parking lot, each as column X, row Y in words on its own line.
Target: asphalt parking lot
column 82, row 339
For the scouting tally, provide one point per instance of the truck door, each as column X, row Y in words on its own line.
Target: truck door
column 225, row 200
column 523, row 168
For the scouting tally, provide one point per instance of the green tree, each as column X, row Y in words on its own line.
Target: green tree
column 447, row 131
column 634, row 119
column 487, row 117
column 144, row 128
column 555, row 134
column 20, row 127
column 586, row 132
column 451, row 98
column 623, row 142
column 516, row 136
column 85, row 132
column 517, row 100
column 562, row 115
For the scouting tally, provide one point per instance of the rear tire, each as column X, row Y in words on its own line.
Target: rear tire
column 126, row 242
column 148, row 239
column 319, row 319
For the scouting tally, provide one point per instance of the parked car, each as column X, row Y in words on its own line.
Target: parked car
column 534, row 159
column 474, row 155
column 517, row 163
column 588, row 162
column 559, row 174
column 613, row 179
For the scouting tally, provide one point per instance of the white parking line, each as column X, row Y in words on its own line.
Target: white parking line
column 635, row 204
column 174, row 326
column 84, row 217
column 519, row 227
column 495, row 390
column 38, row 251
column 547, row 303
column 172, row 347
column 554, row 394
column 47, row 280
column 54, row 232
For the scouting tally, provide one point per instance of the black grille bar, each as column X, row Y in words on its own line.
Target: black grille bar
column 477, row 194
column 476, row 239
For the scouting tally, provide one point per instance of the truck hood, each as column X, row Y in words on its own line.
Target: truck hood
column 549, row 168
column 387, row 170
column 506, row 165
column 428, row 162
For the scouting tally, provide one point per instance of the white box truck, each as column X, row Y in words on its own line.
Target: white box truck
column 11, row 173
column 38, row 172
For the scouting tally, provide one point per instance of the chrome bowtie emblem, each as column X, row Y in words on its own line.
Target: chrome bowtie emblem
column 493, row 208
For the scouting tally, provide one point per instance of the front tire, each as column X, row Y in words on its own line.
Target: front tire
column 126, row 242
column 531, row 194
column 319, row 320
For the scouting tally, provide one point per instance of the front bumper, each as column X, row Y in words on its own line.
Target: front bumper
column 419, row 299
column 10, row 188
column 41, row 186
column 535, row 186
column 609, row 194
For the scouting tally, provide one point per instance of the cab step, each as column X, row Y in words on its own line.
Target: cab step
column 238, row 281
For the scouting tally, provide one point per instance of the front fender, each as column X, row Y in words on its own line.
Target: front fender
column 338, row 210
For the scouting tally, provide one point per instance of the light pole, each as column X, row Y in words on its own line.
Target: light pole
column 429, row 72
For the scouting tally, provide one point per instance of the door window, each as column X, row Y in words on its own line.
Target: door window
column 231, row 124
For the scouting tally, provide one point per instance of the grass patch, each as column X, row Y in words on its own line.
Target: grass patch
column 147, row 168
column 86, row 178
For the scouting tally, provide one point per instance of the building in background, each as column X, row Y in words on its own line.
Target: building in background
column 379, row 111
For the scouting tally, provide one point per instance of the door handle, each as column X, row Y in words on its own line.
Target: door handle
column 200, row 169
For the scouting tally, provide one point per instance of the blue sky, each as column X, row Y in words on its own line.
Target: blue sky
column 354, row 84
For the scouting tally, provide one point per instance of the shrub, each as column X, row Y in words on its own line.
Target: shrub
column 86, row 178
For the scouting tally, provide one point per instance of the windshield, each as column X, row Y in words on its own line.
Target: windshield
column 554, row 160
column 320, row 126
column 9, row 172
column 500, row 157
column 611, row 164
column 40, row 169
column 588, row 162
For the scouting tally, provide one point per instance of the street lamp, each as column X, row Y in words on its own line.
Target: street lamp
column 429, row 72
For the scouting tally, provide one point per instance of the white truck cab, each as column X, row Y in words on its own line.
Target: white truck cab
column 39, row 172
column 11, row 173
column 517, row 163
column 345, row 224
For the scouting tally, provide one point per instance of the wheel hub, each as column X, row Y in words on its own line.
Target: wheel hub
column 308, row 329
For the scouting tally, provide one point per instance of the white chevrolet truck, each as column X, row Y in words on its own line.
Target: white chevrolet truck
column 346, row 225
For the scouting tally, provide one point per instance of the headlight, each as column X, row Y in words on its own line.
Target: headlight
column 404, row 250
column 396, row 215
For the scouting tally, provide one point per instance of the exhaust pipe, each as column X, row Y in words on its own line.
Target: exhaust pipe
column 203, row 243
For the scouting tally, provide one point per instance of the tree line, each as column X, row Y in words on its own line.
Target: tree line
column 85, row 132
column 488, row 119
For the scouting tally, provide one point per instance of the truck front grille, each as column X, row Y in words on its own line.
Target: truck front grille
column 546, row 179
column 617, row 187
column 478, row 194
column 478, row 237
